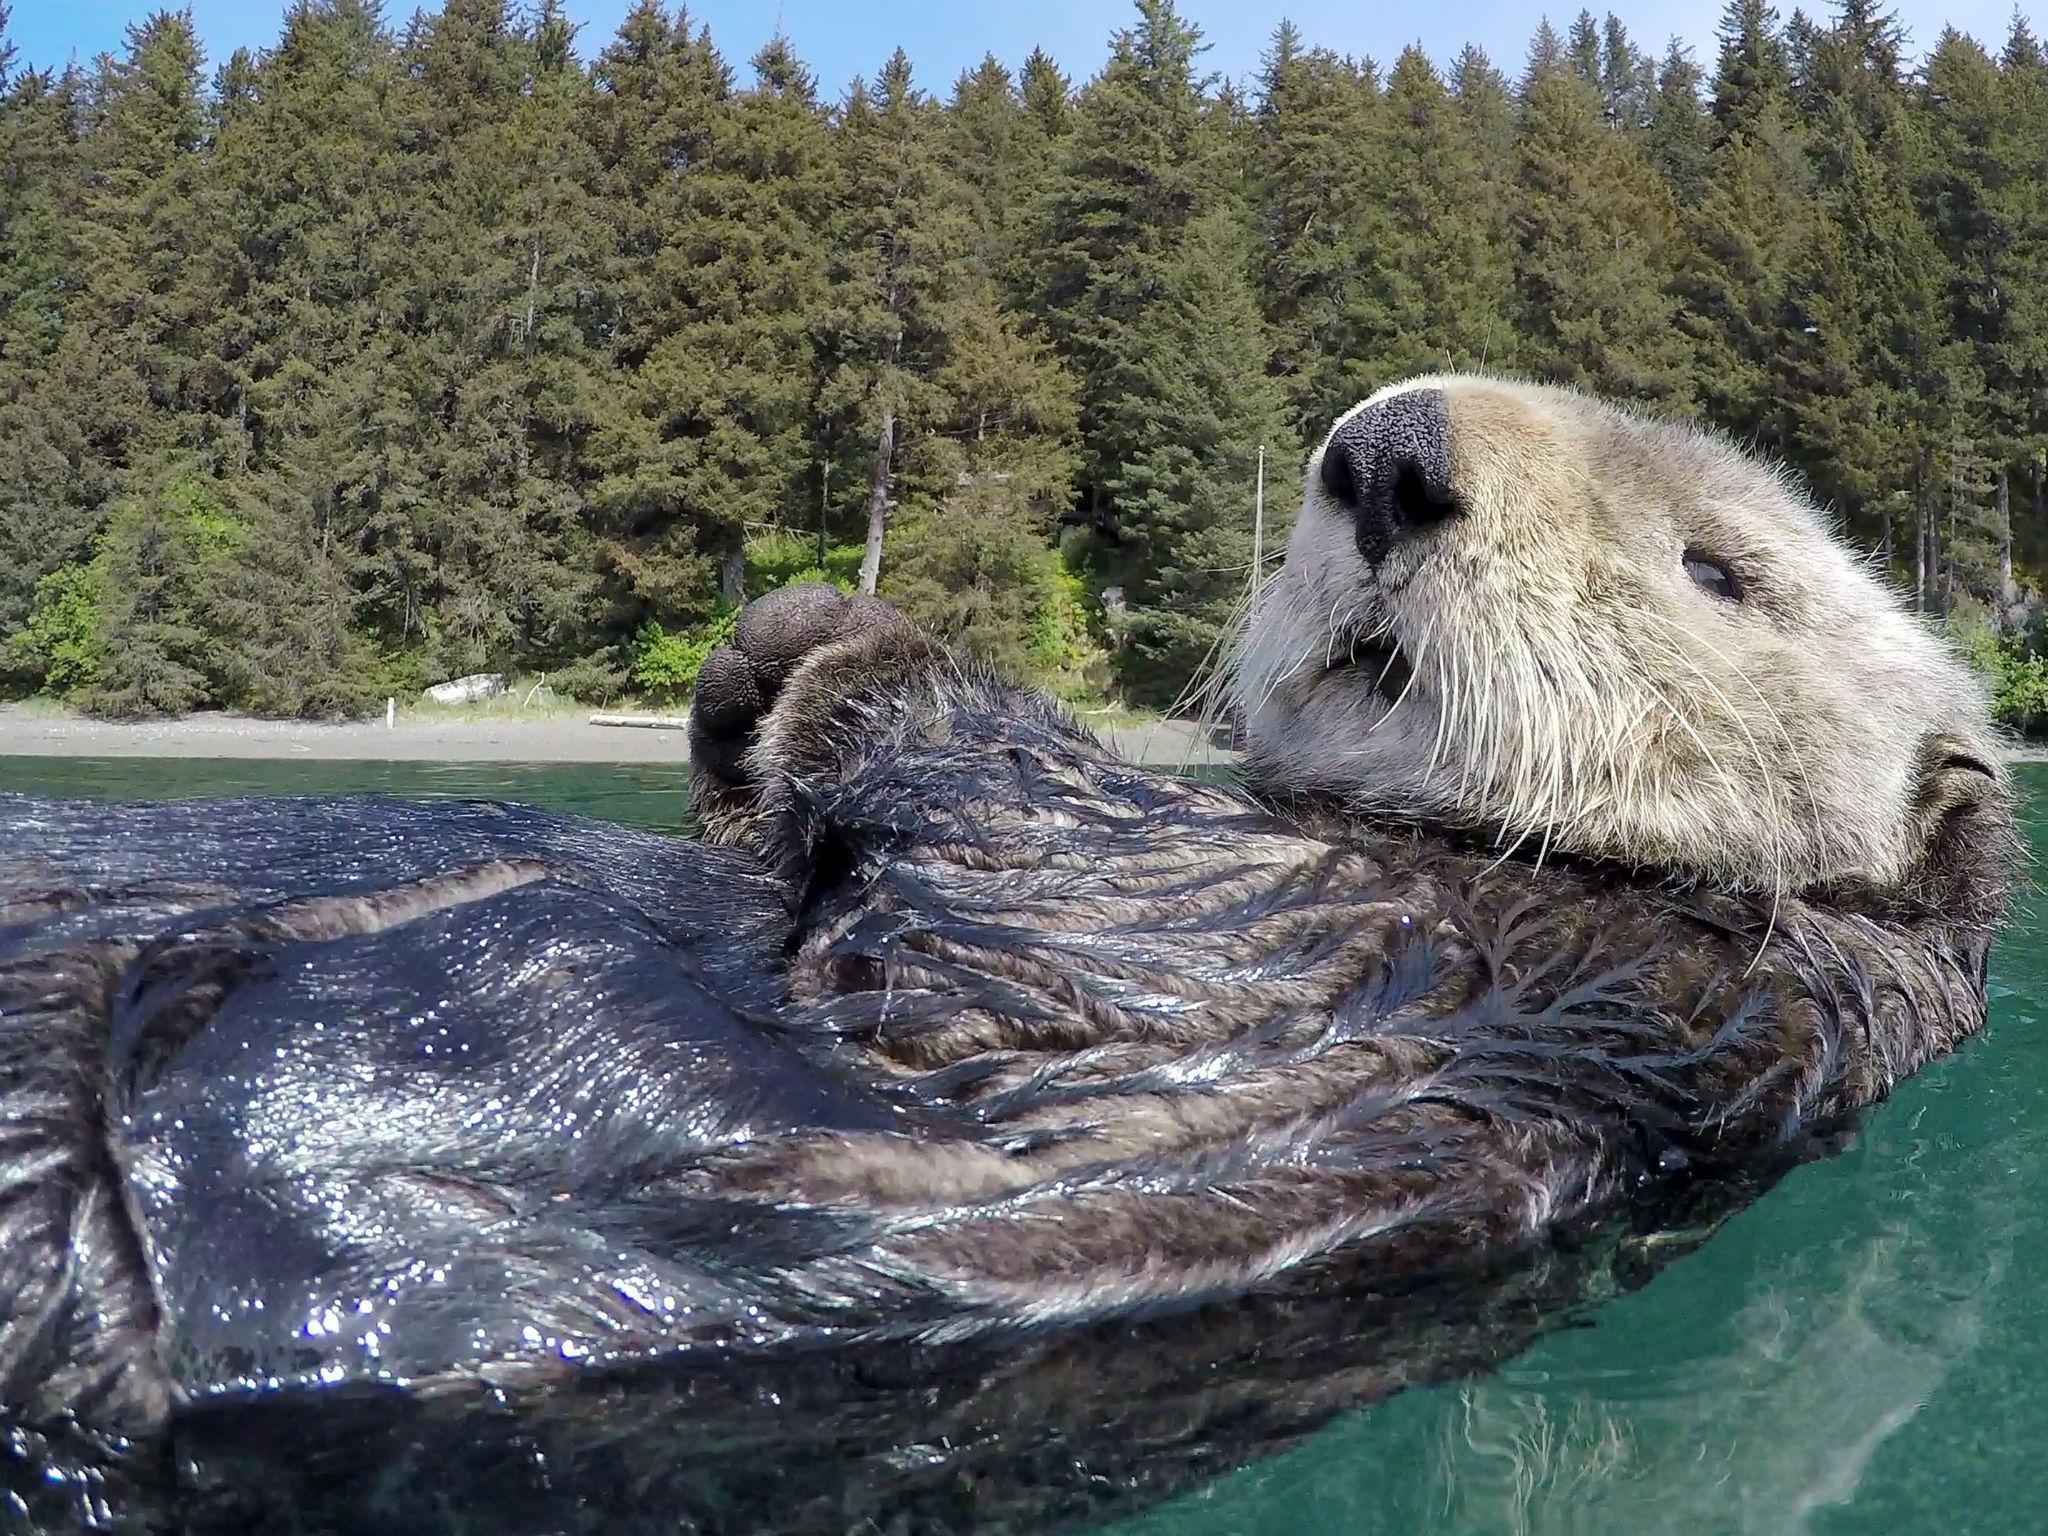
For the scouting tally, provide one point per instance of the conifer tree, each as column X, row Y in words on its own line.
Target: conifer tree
column 317, row 262
column 1680, row 134
column 1199, row 408
column 1986, row 172
column 1582, row 48
column 2016, row 357
column 1437, row 294
column 1753, row 70
column 660, row 126
column 1321, row 229
column 65, row 411
column 1870, row 382
column 713, row 434
column 1487, row 108
column 653, row 124
column 902, row 249
column 981, row 127
column 1628, row 78
column 1044, row 123
column 1132, row 180
column 1803, row 37
column 1595, row 237
column 1547, row 57
column 1749, row 230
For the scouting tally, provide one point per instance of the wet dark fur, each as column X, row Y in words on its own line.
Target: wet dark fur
column 1000, row 1039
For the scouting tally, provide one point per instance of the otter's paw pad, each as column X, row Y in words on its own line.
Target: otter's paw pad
column 739, row 682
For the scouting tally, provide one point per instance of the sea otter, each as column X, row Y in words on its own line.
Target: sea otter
column 1526, row 928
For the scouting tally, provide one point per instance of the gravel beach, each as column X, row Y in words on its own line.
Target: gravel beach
column 558, row 738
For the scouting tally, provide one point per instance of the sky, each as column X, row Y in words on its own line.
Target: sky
column 842, row 39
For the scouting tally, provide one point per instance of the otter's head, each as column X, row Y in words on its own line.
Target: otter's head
column 1511, row 609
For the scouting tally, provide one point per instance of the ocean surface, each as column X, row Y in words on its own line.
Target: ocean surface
column 1863, row 1350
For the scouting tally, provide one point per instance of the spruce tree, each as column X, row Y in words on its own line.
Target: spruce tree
column 1595, row 251
column 901, row 247
column 981, row 127
column 1131, row 182
column 1873, row 386
column 1321, row 232
column 1582, row 48
column 1038, row 151
column 1753, row 70
column 712, row 435
column 1199, row 407
column 1487, row 107
column 658, row 122
column 66, row 410
column 1628, row 77
column 1437, row 294
column 1680, row 133
column 1547, row 57
column 2016, row 358
column 1981, row 193
column 1748, row 232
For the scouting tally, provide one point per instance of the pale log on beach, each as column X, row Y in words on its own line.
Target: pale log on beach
column 650, row 722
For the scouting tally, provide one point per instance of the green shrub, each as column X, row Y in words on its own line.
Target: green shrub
column 61, row 646
column 664, row 666
column 2017, row 674
column 597, row 678
column 785, row 559
column 198, row 595
column 978, row 571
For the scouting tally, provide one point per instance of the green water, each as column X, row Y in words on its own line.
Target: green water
column 645, row 795
column 1864, row 1350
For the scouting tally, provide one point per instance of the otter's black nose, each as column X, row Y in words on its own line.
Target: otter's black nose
column 1390, row 468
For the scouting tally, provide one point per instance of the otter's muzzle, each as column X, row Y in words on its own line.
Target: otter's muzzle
column 1389, row 467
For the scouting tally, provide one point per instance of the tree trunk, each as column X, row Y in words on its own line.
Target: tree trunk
column 1947, row 564
column 1919, row 551
column 2008, row 593
column 878, row 502
column 732, row 578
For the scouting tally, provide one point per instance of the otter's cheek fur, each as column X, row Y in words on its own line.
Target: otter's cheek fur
column 1568, row 687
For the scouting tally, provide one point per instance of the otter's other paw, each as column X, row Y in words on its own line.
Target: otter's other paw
column 740, row 683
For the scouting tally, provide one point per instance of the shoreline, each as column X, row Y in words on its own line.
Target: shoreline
column 30, row 731
column 558, row 738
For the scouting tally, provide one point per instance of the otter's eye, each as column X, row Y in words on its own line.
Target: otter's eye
column 1713, row 575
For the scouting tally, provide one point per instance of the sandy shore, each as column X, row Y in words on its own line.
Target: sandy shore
column 35, row 732
column 29, row 731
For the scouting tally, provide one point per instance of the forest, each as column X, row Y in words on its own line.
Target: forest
column 396, row 352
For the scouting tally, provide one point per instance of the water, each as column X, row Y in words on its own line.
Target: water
column 643, row 795
column 1859, row 1352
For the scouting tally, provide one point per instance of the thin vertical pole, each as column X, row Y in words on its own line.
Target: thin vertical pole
column 1259, row 526
column 824, row 495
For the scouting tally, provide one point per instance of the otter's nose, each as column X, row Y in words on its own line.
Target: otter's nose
column 1389, row 466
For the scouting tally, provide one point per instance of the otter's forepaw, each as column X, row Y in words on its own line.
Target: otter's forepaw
column 741, row 684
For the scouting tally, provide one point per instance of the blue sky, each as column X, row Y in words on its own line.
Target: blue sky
column 844, row 38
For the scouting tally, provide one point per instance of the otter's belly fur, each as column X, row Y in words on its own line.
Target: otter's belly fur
column 999, row 1038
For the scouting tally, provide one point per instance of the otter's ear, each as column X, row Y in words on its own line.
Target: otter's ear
column 1967, row 851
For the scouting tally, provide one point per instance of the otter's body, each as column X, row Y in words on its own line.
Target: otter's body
column 981, row 1038
column 418, row 1093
